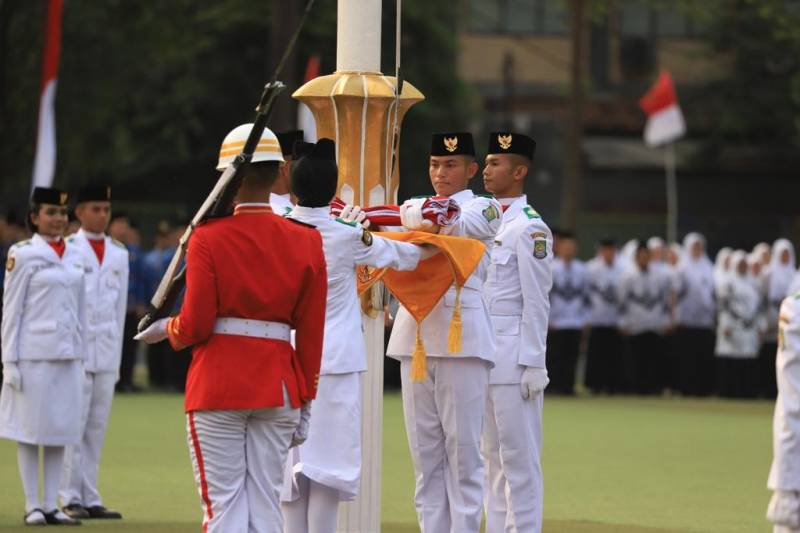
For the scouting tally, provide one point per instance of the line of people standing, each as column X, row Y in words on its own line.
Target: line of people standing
column 654, row 318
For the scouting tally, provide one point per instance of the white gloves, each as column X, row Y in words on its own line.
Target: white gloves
column 784, row 509
column 411, row 216
column 534, row 381
column 157, row 332
column 301, row 433
column 11, row 376
column 354, row 213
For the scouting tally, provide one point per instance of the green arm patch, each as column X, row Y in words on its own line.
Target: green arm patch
column 353, row 224
column 531, row 212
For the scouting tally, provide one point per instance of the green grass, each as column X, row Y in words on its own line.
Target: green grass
column 611, row 466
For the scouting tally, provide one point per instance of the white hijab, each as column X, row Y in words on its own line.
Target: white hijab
column 780, row 274
column 720, row 272
column 760, row 249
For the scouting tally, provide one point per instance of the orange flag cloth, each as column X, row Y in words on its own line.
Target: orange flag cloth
column 421, row 289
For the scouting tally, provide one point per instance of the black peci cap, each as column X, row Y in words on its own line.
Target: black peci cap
column 458, row 143
column 93, row 193
column 287, row 139
column 315, row 174
column 301, row 148
column 46, row 195
column 506, row 142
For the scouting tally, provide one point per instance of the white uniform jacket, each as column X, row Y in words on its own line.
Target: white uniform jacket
column 346, row 246
column 43, row 303
column 281, row 204
column 570, row 295
column 785, row 471
column 643, row 298
column 603, row 293
column 517, row 286
column 106, row 302
column 694, row 296
column 740, row 320
column 480, row 219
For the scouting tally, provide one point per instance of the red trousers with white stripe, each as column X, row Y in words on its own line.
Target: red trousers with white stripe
column 238, row 458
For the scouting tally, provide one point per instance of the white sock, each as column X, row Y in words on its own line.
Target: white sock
column 28, row 462
column 52, row 463
column 295, row 514
column 323, row 508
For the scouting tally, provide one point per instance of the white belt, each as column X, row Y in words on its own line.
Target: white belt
column 259, row 329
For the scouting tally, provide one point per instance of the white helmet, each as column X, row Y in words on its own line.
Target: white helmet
column 268, row 149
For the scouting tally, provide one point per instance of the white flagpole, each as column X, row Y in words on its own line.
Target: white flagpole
column 672, row 192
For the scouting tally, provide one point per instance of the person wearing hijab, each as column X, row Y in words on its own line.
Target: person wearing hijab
column 738, row 332
column 721, row 269
column 779, row 274
column 604, row 346
column 695, row 309
column 670, row 372
column 763, row 252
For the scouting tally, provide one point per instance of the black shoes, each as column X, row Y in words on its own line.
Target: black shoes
column 98, row 511
column 58, row 518
column 78, row 511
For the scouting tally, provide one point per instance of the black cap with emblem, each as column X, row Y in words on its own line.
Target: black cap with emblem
column 287, row 139
column 507, row 142
column 456, row 143
column 93, row 193
column 315, row 174
column 47, row 195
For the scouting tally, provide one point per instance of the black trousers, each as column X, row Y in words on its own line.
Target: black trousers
column 128, row 353
column 157, row 364
column 603, row 360
column 737, row 378
column 562, row 356
column 643, row 363
column 694, row 350
column 768, row 385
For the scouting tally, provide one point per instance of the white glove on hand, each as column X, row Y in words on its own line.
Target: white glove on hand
column 301, row 433
column 534, row 381
column 11, row 376
column 411, row 216
column 354, row 213
column 784, row 509
column 157, row 332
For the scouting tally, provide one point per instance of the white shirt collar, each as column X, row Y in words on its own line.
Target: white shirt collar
column 91, row 235
column 463, row 196
column 317, row 212
column 515, row 206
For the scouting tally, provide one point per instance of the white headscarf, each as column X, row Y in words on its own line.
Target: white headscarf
column 627, row 255
column 699, row 270
column 720, row 272
column 737, row 257
column 780, row 274
column 760, row 249
column 679, row 252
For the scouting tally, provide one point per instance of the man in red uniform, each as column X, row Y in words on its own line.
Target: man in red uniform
column 251, row 278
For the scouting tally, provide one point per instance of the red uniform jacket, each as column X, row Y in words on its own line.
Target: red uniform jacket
column 260, row 266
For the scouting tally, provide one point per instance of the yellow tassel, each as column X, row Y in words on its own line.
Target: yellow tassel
column 419, row 366
column 454, row 334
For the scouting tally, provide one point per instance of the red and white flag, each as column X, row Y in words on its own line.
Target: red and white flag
column 44, row 164
column 665, row 122
column 305, row 119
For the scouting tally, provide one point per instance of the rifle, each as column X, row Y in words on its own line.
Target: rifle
column 219, row 201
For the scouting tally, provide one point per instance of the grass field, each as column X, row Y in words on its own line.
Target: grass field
column 611, row 466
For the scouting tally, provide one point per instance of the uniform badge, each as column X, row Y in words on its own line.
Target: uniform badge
column 539, row 235
column 366, row 238
column 490, row 213
column 504, row 141
column 451, row 144
column 539, row 248
column 10, row 262
column 365, row 273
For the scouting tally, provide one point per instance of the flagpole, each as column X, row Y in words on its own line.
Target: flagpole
column 672, row 192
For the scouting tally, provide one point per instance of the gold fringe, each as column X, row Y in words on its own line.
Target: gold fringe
column 454, row 334
column 419, row 366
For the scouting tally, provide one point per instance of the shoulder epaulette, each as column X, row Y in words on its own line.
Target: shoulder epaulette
column 115, row 241
column 531, row 212
column 346, row 223
column 20, row 244
column 300, row 223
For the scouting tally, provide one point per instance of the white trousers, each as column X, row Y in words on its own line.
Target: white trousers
column 82, row 461
column 511, row 447
column 238, row 457
column 784, row 529
column 444, row 419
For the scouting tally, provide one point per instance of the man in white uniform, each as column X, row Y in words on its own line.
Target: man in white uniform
column 517, row 287
column 784, row 476
column 326, row 469
column 106, row 286
column 444, row 413
column 280, row 198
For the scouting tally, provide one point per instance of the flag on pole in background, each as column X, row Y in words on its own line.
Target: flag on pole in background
column 44, row 164
column 665, row 122
column 305, row 119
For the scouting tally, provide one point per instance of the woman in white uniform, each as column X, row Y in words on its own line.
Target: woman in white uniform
column 42, row 340
column 780, row 273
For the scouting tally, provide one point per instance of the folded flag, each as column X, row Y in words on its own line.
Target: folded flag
column 440, row 210
column 421, row 289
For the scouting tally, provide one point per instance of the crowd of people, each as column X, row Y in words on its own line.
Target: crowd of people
column 654, row 317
